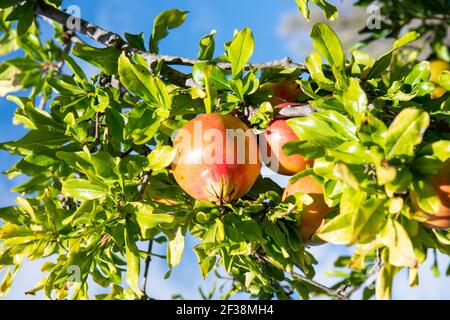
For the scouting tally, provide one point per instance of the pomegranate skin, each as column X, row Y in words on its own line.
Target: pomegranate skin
column 275, row 137
column 313, row 214
column 441, row 183
column 217, row 158
column 284, row 91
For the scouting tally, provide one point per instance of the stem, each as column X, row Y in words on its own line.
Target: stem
column 97, row 127
column 327, row 290
column 67, row 45
column 145, row 182
column 147, row 267
column 348, row 290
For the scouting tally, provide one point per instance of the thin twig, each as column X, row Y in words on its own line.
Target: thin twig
column 327, row 290
column 348, row 290
column 67, row 45
column 42, row 103
column 148, row 259
column 145, row 182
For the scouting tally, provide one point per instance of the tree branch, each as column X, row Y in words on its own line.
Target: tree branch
column 327, row 290
column 348, row 290
column 297, row 111
column 304, row 110
column 110, row 39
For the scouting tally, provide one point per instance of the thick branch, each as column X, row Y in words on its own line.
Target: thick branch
column 109, row 39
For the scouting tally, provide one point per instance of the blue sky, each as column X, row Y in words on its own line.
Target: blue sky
column 264, row 18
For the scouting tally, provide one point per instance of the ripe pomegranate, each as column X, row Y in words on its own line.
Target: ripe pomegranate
column 313, row 214
column 217, row 158
column 275, row 137
column 285, row 91
column 441, row 183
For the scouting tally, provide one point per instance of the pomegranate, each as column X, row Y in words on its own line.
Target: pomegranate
column 313, row 214
column 217, row 158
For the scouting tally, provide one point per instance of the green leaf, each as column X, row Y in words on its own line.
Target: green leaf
column 65, row 88
column 405, row 132
column 8, row 44
column 355, row 102
column 33, row 118
column 175, row 249
column 350, row 152
column 161, row 157
column 10, row 79
column 340, row 123
column 330, row 11
column 314, row 129
column 143, row 124
column 140, row 81
column 242, row 230
column 207, row 45
column 419, row 73
column 210, row 99
column 8, row 278
column 165, row 21
column 104, row 165
column 425, row 195
column 103, row 58
column 79, row 74
column 35, row 139
column 8, row 3
column 11, row 214
column 81, row 189
column 77, row 160
column 205, row 261
column 314, row 65
column 136, row 40
column 384, row 61
column 404, row 40
column 26, row 18
column 426, row 165
column 444, row 80
column 358, row 222
column 240, row 50
column 383, row 287
column 328, row 44
column 148, row 217
column 303, row 7
column 439, row 149
column 133, row 261
column 401, row 249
